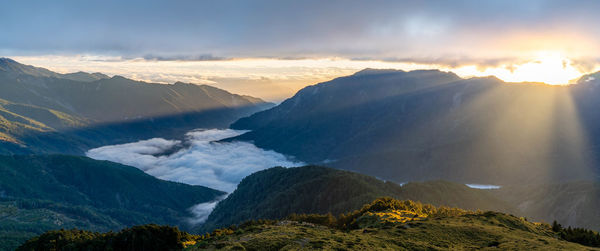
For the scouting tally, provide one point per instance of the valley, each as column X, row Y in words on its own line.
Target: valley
column 206, row 159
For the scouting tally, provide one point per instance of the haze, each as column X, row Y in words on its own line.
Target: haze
column 270, row 49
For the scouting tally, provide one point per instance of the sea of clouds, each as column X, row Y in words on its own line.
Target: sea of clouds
column 202, row 160
column 197, row 160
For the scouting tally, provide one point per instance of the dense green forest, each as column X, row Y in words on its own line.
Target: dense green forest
column 277, row 192
column 41, row 193
column 146, row 237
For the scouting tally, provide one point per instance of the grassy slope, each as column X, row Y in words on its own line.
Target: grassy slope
column 464, row 232
column 468, row 230
column 384, row 224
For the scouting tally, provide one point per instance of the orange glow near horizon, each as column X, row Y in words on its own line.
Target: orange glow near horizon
column 547, row 67
column 277, row 79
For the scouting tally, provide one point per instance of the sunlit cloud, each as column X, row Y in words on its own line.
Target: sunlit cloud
column 275, row 79
column 547, row 67
column 218, row 165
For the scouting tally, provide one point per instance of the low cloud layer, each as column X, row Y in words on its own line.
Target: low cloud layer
column 201, row 211
column 483, row 186
column 218, row 165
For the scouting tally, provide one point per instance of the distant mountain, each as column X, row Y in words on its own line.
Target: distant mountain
column 14, row 68
column 44, row 111
column 424, row 125
column 278, row 192
column 570, row 203
column 40, row 193
column 84, row 76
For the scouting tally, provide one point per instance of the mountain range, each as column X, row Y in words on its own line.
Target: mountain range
column 428, row 125
column 278, row 192
column 44, row 111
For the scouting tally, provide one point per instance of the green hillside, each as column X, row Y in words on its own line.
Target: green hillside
column 388, row 224
column 384, row 224
column 41, row 193
column 278, row 192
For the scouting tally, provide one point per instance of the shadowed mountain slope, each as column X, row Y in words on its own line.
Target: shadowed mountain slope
column 44, row 111
column 40, row 193
column 278, row 192
column 424, row 125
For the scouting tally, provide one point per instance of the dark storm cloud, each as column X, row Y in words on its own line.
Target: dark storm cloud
column 224, row 29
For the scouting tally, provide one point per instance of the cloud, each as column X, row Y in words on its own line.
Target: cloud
column 483, row 186
column 201, row 57
column 218, row 165
column 312, row 28
column 201, row 211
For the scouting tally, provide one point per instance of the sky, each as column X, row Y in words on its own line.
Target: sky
column 270, row 49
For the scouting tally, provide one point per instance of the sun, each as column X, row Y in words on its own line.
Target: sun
column 552, row 68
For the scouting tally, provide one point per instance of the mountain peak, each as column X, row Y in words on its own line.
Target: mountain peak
column 12, row 66
column 372, row 71
column 7, row 64
column 118, row 77
column 592, row 77
column 4, row 60
column 84, row 76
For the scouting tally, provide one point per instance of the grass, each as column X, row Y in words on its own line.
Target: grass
column 380, row 228
column 393, row 225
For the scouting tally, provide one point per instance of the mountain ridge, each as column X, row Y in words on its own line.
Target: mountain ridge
column 82, row 115
column 277, row 192
column 425, row 125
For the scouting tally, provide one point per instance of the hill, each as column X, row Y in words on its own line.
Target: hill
column 44, row 111
column 387, row 224
column 384, row 224
column 427, row 125
column 278, row 192
column 41, row 193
